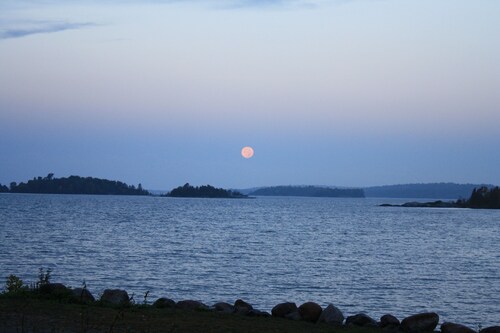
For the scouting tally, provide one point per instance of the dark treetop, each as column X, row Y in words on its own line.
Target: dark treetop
column 309, row 191
column 76, row 185
column 206, row 191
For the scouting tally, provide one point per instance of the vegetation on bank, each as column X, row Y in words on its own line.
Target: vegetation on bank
column 310, row 191
column 481, row 198
column 205, row 191
column 74, row 185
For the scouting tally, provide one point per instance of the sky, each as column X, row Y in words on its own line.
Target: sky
column 164, row 92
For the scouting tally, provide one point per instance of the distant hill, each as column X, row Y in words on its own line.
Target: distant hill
column 205, row 191
column 309, row 191
column 431, row 190
column 76, row 185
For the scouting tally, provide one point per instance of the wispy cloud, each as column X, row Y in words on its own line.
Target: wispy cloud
column 41, row 28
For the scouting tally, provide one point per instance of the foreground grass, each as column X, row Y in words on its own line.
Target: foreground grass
column 18, row 314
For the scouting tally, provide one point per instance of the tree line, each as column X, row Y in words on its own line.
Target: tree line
column 73, row 185
column 310, row 191
column 205, row 191
column 482, row 197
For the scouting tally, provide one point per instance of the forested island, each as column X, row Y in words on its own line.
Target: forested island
column 205, row 191
column 482, row 197
column 74, row 185
column 310, row 191
column 427, row 190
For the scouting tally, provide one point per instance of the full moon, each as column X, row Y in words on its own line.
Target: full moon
column 247, row 152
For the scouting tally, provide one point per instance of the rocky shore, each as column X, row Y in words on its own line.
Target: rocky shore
column 309, row 312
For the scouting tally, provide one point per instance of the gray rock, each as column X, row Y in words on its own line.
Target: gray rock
column 389, row 320
column 224, row 307
column 295, row 315
column 282, row 309
column 455, row 328
column 163, row 302
column 331, row 315
column 242, row 307
column 258, row 313
column 191, row 305
column 115, row 297
column 423, row 322
column 361, row 319
column 491, row 329
column 83, row 295
column 310, row 311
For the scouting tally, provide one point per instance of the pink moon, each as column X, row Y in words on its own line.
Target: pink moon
column 247, row 152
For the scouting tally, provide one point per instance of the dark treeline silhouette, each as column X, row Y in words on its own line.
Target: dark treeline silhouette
column 482, row 197
column 429, row 190
column 205, row 191
column 3, row 188
column 309, row 191
column 76, row 185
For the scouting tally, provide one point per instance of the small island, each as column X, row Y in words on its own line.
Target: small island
column 74, row 185
column 205, row 191
column 482, row 198
column 310, row 191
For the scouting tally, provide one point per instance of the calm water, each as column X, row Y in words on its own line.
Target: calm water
column 361, row 257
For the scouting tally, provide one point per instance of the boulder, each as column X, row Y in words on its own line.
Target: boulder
column 295, row 315
column 282, row 309
column 163, row 302
column 331, row 315
column 191, row 305
column 455, row 328
column 224, row 307
column 389, row 320
column 54, row 289
column 423, row 322
column 258, row 313
column 242, row 307
column 310, row 311
column 361, row 319
column 491, row 329
column 115, row 297
column 82, row 295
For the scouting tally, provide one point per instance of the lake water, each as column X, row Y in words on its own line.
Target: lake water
column 350, row 252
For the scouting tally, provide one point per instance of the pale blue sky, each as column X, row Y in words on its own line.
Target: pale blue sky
column 348, row 93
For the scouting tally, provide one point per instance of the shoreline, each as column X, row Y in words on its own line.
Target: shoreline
column 54, row 303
